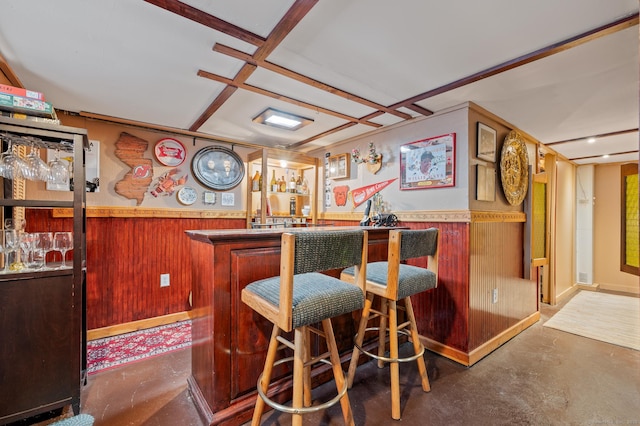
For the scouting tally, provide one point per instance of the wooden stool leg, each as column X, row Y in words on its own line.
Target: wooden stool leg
column 422, row 369
column 394, row 367
column 307, row 369
column 298, row 373
column 364, row 319
column 266, row 375
column 382, row 334
column 337, row 371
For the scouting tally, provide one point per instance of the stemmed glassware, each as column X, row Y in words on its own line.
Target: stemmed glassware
column 63, row 242
column 11, row 245
column 16, row 224
column 58, row 171
column 45, row 243
column 37, row 169
column 27, row 243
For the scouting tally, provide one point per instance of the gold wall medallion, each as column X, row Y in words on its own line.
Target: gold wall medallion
column 514, row 168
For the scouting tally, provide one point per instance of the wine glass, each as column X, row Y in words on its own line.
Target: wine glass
column 63, row 242
column 44, row 241
column 38, row 169
column 36, row 257
column 58, row 171
column 26, row 241
column 11, row 245
column 15, row 224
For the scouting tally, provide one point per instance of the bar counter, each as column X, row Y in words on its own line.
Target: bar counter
column 229, row 339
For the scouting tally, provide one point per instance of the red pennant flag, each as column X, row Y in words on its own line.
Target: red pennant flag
column 360, row 195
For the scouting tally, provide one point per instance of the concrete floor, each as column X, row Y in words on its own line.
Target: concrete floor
column 541, row 377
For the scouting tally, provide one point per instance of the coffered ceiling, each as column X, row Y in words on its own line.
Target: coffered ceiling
column 561, row 71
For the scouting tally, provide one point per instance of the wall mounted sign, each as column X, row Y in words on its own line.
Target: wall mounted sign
column 170, row 152
column 218, row 168
column 428, row 163
column 514, row 168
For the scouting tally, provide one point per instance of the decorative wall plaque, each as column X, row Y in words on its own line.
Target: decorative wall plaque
column 514, row 168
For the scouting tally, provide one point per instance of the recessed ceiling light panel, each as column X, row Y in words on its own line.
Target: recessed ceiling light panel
column 282, row 120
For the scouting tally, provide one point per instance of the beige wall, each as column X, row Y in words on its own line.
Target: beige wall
column 388, row 142
column 606, row 236
column 563, row 249
column 113, row 169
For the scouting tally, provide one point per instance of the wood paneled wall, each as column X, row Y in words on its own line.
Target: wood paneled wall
column 496, row 259
column 125, row 257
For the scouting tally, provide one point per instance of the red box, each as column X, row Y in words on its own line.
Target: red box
column 18, row 91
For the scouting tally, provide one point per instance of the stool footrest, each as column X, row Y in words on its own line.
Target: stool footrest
column 387, row 359
column 300, row 410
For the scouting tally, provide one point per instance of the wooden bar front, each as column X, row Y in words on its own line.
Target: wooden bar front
column 229, row 339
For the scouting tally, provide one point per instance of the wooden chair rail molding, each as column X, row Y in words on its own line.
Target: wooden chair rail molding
column 406, row 216
column 465, row 216
column 137, row 212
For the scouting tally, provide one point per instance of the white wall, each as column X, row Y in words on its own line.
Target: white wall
column 584, row 223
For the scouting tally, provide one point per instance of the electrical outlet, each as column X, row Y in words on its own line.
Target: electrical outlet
column 494, row 296
column 164, row 280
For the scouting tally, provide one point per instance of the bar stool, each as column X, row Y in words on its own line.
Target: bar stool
column 301, row 297
column 393, row 281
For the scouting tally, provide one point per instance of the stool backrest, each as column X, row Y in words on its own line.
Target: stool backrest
column 407, row 244
column 318, row 251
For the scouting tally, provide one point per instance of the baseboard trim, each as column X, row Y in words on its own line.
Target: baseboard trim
column 128, row 327
column 632, row 290
column 470, row 358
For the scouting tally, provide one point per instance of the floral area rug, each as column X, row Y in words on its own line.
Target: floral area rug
column 115, row 351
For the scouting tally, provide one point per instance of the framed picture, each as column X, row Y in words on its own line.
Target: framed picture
column 485, row 183
column 486, row 141
column 217, row 168
column 428, row 163
column 338, row 166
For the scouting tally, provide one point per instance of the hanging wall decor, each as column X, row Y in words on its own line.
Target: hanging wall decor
column 217, row 168
column 428, row 163
column 514, row 168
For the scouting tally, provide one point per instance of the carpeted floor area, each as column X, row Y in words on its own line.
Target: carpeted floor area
column 606, row 317
column 118, row 350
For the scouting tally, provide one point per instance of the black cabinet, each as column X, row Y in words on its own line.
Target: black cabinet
column 42, row 325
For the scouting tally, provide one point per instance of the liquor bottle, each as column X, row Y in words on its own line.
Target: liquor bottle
column 299, row 185
column 292, row 184
column 283, row 185
column 274, row 182
column 255, row 182
column 305, row 186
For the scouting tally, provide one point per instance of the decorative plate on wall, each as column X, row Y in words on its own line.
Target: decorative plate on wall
column 218, row 168
column 170, row 152
column 187, row 195
column 514, row 168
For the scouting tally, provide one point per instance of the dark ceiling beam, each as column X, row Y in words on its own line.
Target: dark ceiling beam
column 8, row 72
column 602, row 135
column 418, row 109
column 321, row 135
column 213, row 107
column 283, row 98
column 610, row 28
column 237, row 54
column 196, row 15
column 291, row 18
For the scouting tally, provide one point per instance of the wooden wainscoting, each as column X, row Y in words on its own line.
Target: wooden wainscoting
column 125, row 257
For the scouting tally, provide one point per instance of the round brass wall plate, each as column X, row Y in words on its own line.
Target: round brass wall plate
column 514, row 168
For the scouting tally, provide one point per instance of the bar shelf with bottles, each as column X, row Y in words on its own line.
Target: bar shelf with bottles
column 282, row 188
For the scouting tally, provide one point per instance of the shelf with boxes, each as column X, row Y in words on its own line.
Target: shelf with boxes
column 282, row 188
